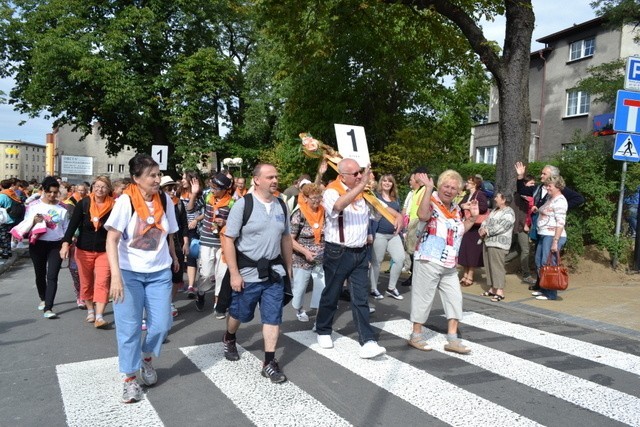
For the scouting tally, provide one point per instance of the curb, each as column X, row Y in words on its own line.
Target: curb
column 17, row 254
column 561, row 317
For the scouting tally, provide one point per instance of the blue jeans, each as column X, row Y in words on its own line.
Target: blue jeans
column 543, row 248
column 142, row 291
column 340, row 264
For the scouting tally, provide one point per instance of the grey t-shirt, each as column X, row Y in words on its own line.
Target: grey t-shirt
column 261, row 236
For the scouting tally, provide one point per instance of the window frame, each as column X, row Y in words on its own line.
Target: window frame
column 581, row 53
column 580, row 105
column 486, row 154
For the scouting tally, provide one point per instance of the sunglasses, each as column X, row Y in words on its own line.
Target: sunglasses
column 353, row 174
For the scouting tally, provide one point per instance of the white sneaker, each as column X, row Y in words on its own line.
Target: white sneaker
column 536, row 293
column 302, row 316
column 325, row 341
column 376, row 294
column 41, row 306
column 371, row 349
column 372, row 309
column 50, row 315
column 148, row 373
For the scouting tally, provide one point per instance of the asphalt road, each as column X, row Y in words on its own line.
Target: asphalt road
column 524, row 369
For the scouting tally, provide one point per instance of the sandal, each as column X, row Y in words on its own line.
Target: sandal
column 465, row 282
column 497, row 298
column 488, row 294
column 90, row 318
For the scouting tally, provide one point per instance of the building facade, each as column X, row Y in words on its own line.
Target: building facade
column 78, row 159
column 558, row 109
column 23, row 160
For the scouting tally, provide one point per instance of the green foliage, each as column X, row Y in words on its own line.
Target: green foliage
column 619, row 12
column 604, row 81
column 591, row 171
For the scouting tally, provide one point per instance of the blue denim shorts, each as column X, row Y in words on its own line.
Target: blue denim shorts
column 270, row 295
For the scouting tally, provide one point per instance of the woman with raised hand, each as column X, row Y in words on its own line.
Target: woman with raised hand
column 88, row 218
column 190, row 196
column 141, row 260
column 436, row 257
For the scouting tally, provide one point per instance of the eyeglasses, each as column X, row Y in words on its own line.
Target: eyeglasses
column 315, row 198
column 100, row 187
column 353, row 174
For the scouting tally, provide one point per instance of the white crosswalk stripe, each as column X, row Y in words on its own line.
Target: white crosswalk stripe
column 91, row 393
column 603, row 400
column 410, row 384
column 266, row 402
column 595, row 353
column 289, row 404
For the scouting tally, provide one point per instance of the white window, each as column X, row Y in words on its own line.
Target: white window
column 120, row 168
column 487, row 154
column 582, row 48
column 110, row 167
column 577, row 103
column 569, row 147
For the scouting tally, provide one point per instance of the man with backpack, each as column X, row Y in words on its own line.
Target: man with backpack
column 258, row 251
column 14, row 210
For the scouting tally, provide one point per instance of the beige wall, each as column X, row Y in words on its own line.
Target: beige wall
column 27, row 163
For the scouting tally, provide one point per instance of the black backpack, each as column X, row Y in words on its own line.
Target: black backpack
column 16, row 211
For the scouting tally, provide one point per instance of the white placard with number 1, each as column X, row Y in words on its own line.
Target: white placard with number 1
column 160, row 154
column 352, row 143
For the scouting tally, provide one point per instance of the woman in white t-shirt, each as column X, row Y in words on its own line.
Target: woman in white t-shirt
column 45, row 249
column 141, row 259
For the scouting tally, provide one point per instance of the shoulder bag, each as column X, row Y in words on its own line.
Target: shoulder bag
column 554, row 277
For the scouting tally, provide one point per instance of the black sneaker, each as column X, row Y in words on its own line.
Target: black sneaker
column 273, row 372
column 230, row 350
column 200, row 302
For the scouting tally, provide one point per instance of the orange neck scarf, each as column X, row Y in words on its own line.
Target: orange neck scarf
column 140, row 206
column 241, row 192
column 223, row 201
column 98, row 212
column 449, row 214
column 77, row 196
column 175, row 200
column 339, row 187
column 314, row 218
column 11, row 194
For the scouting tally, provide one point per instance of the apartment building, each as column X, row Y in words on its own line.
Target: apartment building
column 20, row 159
column 558, row 109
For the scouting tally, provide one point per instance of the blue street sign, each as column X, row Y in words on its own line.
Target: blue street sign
column 626, row 147
column 632, row 75
column 626, row 118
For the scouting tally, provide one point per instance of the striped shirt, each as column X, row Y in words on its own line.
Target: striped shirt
column 355, row 220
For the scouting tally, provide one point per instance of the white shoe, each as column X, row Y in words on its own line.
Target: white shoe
column 372, row 309
column 371, row 349
column 302, row 316
column 536, row 293
column 41, row 306
column 325, row 341
column 542, row 297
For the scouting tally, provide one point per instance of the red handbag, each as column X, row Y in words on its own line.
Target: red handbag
column 554, row 277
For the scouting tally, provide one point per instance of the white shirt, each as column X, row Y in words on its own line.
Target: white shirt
column 146, row 253
column 355, row 220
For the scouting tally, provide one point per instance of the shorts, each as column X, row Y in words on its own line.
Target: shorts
column 270, row 295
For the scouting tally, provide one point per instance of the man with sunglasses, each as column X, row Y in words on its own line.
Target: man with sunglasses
column 346, row 227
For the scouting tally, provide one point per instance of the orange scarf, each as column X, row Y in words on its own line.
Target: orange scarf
column 455, row 214
column 77, row 196
column 175, row 200
column 96, row 212
column 140, row 206
column 223, row 201
column 11, row 194
column 339, row 187
column 241, row 192
column 314, row 218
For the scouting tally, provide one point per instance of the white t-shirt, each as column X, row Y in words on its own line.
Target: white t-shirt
column 142, row 253
column 55, row 216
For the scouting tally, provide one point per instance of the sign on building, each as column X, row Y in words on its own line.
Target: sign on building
column 632, row 75
column 76, row 165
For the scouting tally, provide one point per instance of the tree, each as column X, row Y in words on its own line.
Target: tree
column 150, row 72
column 509, row 70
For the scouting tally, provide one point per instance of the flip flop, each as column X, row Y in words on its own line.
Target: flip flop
column 488, row 294
column 497, row 298
column 465, row 282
